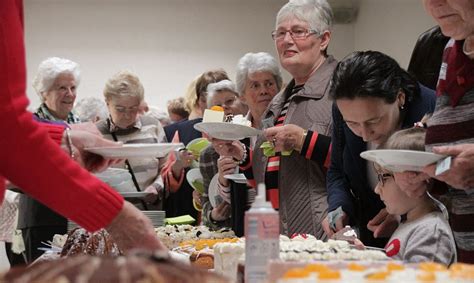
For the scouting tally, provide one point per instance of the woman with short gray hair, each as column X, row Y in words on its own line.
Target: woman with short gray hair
column 56, row 83
column 300, row 120
column 258, row 80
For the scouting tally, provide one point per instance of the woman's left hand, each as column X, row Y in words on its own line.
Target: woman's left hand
column 286, row 137
column 383, row 224
column 460, row 174
column 234, row 149
column 90, row 161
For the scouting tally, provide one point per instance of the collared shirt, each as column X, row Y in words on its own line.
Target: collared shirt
column 114, row 128
column 44, row 113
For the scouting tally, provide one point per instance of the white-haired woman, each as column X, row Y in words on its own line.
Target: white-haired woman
column 56, row 83
column 221, row 94
column 90, row 109
column 258, row 80
column 124, row 93
column 301, row 119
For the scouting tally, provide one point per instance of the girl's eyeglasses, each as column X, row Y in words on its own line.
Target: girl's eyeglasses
column 383, row 177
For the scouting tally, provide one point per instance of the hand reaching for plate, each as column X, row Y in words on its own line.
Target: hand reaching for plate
column 226, row 165
column 234, row 149
column 285, row 138
column 184, row 160
column 221, row 212
column 459, row 175
column 90, row 161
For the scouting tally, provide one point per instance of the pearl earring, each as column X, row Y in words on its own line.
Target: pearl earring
column 401, row 107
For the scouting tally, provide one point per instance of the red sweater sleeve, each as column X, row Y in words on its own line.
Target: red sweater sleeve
column 30, row 158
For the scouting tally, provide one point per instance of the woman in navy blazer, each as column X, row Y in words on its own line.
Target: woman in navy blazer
column 373, row 97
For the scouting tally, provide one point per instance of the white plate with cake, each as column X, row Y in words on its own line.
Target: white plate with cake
column 227, row 131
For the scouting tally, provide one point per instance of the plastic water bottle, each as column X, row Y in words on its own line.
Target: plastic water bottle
column 262, row 237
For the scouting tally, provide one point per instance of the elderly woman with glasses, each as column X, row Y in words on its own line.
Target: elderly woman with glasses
column 56, row 83
column 123, row 95
column 258, row 80
column 374, row 97
column 298, row 120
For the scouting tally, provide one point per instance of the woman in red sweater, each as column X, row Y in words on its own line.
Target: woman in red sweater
column 32, row 159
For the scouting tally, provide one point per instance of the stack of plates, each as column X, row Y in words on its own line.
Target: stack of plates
column 157, row 218
column 117, row 178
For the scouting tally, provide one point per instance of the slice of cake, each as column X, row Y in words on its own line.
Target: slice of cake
column 345, row 234
column 213, row 115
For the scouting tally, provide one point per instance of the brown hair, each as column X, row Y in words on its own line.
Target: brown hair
column 178, row 107
column 208, row 77
column 411, row 139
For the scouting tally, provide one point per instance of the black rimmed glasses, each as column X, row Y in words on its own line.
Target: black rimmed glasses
column 295, row 33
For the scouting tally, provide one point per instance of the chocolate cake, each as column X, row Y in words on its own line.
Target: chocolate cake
column 79, row 241
column 150, row 268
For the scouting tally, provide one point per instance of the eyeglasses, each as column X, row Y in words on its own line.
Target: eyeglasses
column 228, row 102
column 122, row 109
column 257, row 86
column 295, row 33
column 383, row 177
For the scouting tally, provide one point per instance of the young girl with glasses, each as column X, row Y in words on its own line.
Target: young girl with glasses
column 424, row 233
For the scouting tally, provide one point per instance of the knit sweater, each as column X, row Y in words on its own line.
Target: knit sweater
column 455, row 125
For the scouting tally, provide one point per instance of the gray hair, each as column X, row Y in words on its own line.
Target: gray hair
column 124, row 84
column 158, row 114
column 256, row 62
column 224, row 85
column 90, row 108
column 317, row 13
column 50, row 69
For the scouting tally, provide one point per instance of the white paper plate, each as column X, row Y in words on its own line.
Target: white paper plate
column 238, row 178
column 133, row 194
column 194, row 175
column 226, row 131
column 136, row 150
column 401, row 160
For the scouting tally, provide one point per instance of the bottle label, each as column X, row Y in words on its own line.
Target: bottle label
column 262, row 239
column 264, row 226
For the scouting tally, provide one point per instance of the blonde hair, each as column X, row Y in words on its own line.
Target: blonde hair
column 124, row 84
column 191, row 96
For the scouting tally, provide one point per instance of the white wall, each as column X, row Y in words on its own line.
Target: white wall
column 391, row 26
column 169, row 42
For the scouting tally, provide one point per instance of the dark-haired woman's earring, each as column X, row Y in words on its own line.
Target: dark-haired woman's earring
column 401, row 107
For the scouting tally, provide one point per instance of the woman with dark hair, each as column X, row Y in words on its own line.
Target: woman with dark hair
column 373, row 97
